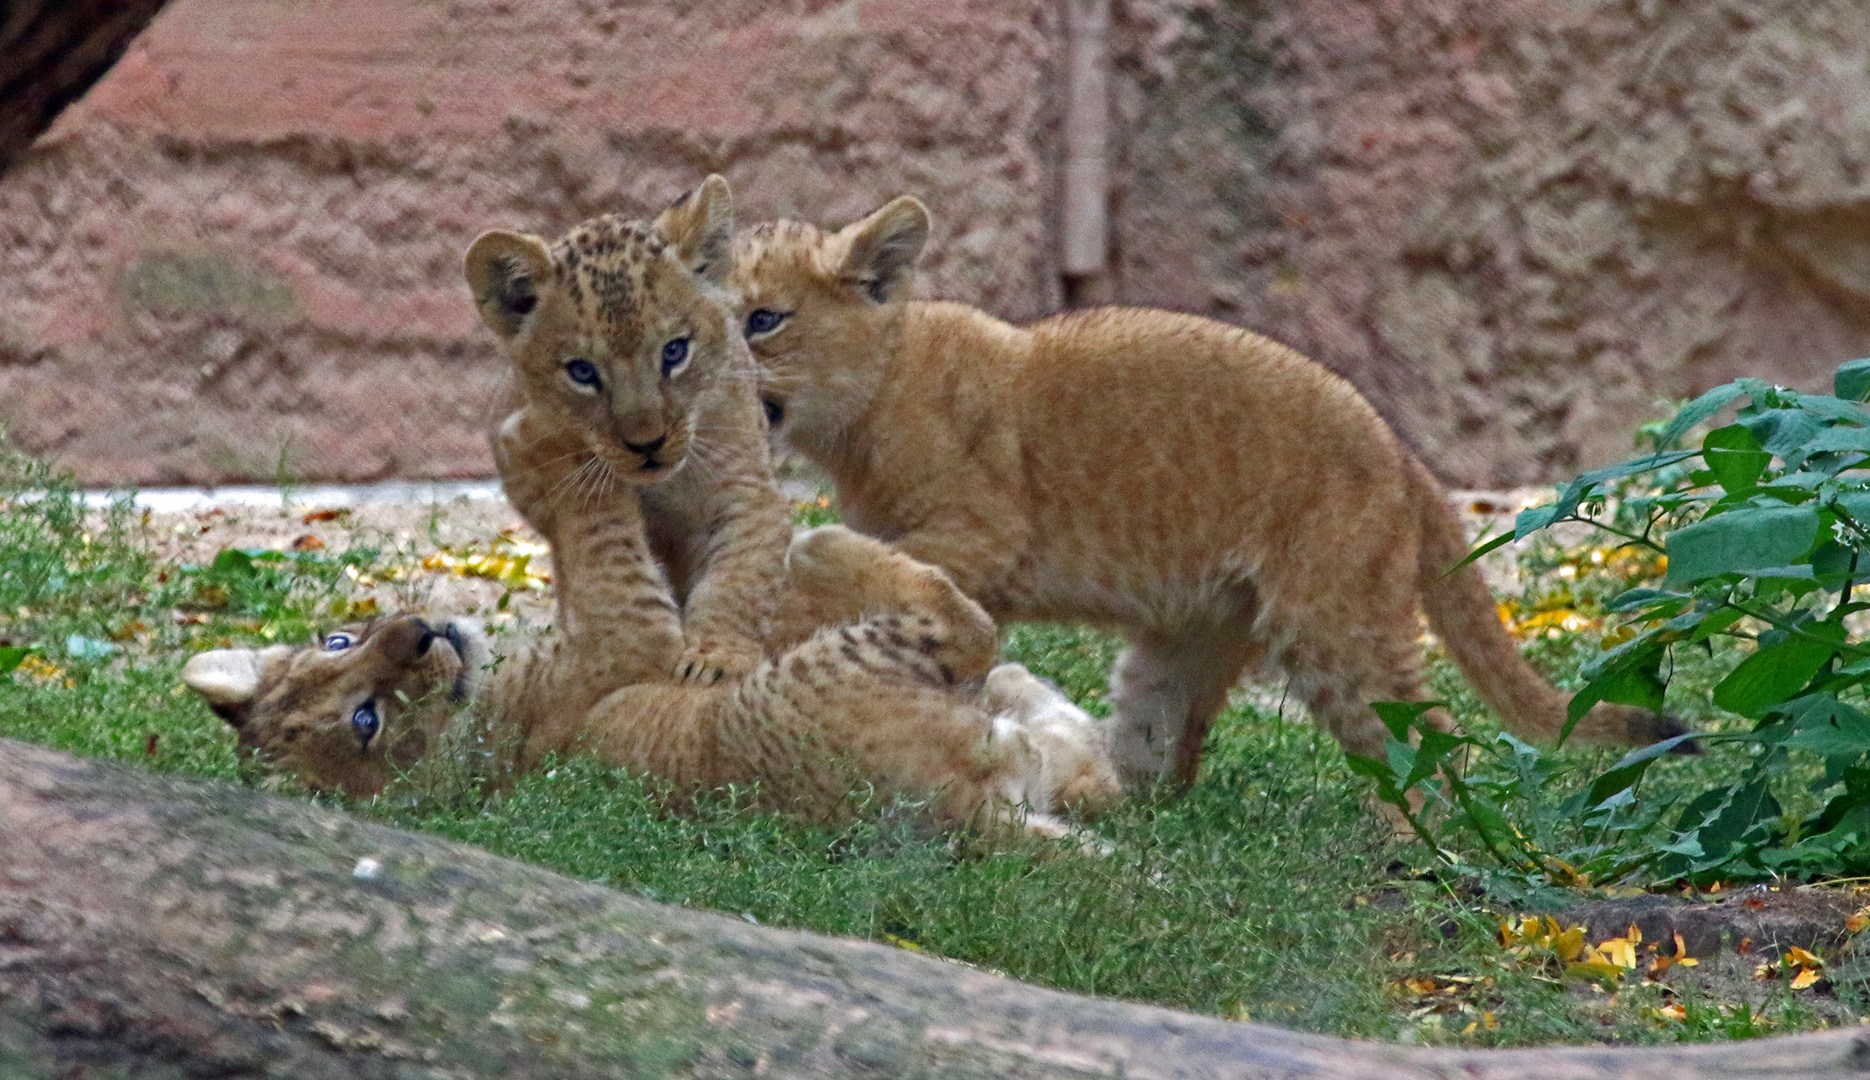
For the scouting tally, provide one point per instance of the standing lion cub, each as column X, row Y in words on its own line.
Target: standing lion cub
column 1227, row 504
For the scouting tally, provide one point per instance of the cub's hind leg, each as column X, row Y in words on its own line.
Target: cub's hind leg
column 1344, row 656
column 839, row 576
column 1166, row 690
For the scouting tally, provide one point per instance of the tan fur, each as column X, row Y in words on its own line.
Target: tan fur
column 891, row 700
column 883, row 686
column 613, row 293
column 1227, row 504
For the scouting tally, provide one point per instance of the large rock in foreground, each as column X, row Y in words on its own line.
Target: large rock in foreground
column 162, row 927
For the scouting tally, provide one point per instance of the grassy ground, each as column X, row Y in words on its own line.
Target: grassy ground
column 1269, row 891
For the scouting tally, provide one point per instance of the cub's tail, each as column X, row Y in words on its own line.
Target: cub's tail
column 1462, row 613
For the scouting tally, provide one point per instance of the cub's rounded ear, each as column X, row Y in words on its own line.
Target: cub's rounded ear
column 230, row 678
column 505, row 269
column 880, row 251
column 700, row 226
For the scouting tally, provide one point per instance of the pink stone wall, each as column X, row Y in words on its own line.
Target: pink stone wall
column 1516, row 224
column 240, row 254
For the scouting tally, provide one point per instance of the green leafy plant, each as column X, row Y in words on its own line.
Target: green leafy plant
column 1766, row 531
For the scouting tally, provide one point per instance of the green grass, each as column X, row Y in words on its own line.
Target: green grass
column 1269, row 891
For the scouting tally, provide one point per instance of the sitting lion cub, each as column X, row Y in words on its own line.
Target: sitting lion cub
column 891, row 695
column 618, row 330
column 1226, row 503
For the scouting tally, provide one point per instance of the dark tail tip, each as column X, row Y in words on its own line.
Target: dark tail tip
column 1659, row 726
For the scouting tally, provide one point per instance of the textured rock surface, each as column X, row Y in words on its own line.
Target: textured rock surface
column 1514, row 223
column 162, row 927
column 240, row 253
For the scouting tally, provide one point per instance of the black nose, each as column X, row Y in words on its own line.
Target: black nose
column 775, row 412
column 646, row 448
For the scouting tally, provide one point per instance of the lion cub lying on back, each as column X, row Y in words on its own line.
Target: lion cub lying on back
column 1227, row 504
column 888, row 691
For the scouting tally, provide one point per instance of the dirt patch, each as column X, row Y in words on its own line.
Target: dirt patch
column 407, row 535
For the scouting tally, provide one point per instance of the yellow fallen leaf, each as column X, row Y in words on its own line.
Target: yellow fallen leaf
column 43, row 671
column 1487, row 1021
column 1594, row 969
column 1804, row 978
column 1674, row 1010
column 1681, row 953
column 1800, row 957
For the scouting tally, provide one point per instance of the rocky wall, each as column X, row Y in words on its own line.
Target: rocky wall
column 239, row 256
column 1516, row 224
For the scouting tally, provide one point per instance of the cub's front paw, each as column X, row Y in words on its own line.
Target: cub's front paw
column 706, row 662
column 537, row 464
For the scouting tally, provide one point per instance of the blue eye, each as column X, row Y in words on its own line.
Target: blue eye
column 365, row 723
column 674, row 354
column 584, row 373
column 337, row 642
column 765, row 321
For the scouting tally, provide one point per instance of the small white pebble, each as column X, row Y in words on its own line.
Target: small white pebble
column 367, row 869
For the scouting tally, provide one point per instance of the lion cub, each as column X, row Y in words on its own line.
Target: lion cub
column 618, row 331
column 1227, row 504
column 891, row 696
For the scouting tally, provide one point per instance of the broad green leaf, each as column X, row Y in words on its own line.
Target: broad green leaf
column 1783, row 432
column 1400, row 716
column 1532, row 519
column 1744, row 808
column 1538, row 517
column 1824, row 725
column 1636, row 598
column 1624, row 774
column 1484, row 549
column 1840, row 440
column 233, row 561
column 12, row 656
column 1852, row 381
column 1699, row 410
column 1774, row 673
column 1734, row 457
column 1802, row 572
column 1750, row 538
column 1716, row 621
column 1837, row 410
column 1855, row 504
column 1831, row 562
column 1634, row 679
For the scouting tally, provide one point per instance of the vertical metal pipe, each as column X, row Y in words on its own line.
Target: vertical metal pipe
column 1087, row 135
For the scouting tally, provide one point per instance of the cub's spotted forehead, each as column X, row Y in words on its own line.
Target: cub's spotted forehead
column 774, row 238
column 605, row 264
column 780, row 251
